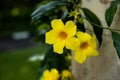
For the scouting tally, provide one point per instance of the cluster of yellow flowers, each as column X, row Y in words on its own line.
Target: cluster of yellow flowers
column 83, row 44
column 53, row 74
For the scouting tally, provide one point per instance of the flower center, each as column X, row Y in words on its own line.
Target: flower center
column 63, row 35
column 84, row 45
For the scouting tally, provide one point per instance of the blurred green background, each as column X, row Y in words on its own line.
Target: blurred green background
column 15, row 15
column 22, row 45
column 16, row 65
column 18, row 59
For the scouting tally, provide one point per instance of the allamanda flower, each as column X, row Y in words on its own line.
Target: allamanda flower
column 53, row 74
column 66, row 75
column 59, row 34
column 84, row 46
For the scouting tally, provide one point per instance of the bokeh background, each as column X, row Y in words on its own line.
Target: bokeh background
column 20, row 55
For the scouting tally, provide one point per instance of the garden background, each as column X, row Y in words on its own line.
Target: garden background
column 18, row 50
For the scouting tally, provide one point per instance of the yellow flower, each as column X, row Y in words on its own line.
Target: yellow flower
column 84, row 46
column 59, row 34
column 50, row 75
column 66, row 75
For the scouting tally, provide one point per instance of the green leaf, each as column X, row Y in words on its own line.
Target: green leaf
column 55, row 60
column 110, row 12
column 77, row 1
column 65, row 13
column 44, row 9
column 44, row 26
column 80, row 26
column 116, row 42
column 94, row 21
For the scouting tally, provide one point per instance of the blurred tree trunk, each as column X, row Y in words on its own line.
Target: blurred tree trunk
column 106, row 66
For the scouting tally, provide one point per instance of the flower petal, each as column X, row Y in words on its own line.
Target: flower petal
column 84, row 37
column 72, row 43
column 46, row 73
column 79, row 57
column 54, row 73
column 70, row 28
column 93, row 43
column 58, row 46
column 51, row 36
column 57, row 24
column 91, row 52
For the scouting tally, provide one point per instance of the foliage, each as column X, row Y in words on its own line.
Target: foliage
column 43, row 10
column 116, row 41
column 110, row 12
column 109, row 15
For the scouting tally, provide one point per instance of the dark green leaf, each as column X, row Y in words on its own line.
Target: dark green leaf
column 110, row 12
column 64, row 15
column 116, row 42
column 54, row 60
column 43, row 27
column 80, row 26
column 94, row 21
column 77, row 1
column 44, row 9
